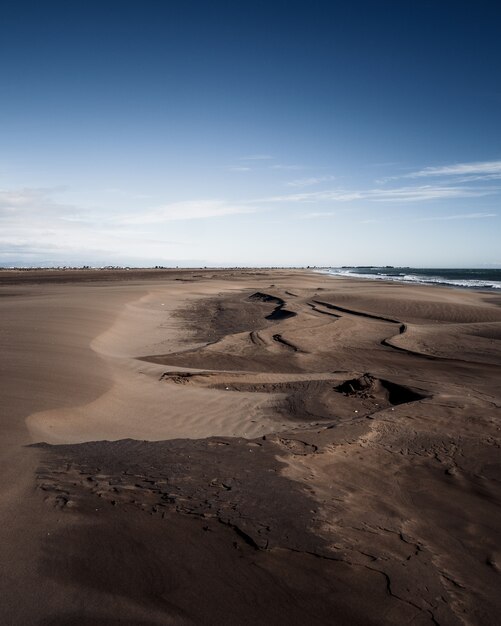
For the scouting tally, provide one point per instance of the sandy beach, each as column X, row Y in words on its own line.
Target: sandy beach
column 247, row 447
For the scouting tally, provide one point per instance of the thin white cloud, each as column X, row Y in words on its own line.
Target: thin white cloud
column 426, row 192
column 189, row 210
column 399, row 194
column 309, row 182
column 472, row 178
column 482, row 168
column 240, row 169
column 34, row 225
column 456, row 172
column 316, row 215
column 22, row 200
column 281, row 166
column 461, row 216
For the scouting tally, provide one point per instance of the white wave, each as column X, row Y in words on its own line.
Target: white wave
column 420, row 279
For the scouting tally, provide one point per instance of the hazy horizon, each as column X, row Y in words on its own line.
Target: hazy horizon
column 263, row 134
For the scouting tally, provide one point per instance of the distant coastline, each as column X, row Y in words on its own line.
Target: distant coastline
column 465, row 278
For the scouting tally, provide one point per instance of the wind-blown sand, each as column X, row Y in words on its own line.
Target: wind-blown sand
column 247, row 447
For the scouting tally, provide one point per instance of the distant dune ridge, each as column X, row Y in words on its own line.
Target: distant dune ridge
column 248, row 447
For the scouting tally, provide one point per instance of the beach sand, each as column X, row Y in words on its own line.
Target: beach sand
column 247, row 447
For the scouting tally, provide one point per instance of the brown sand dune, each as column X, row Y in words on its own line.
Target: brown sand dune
column 468, row 342
column 248, row 447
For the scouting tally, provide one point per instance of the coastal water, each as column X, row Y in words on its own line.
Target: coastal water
column 466, row 278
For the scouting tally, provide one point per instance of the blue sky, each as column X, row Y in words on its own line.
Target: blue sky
column 259, row 133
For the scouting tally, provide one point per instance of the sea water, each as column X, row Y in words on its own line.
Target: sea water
column 469, row 278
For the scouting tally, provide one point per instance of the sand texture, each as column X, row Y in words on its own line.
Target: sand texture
column 247, row 447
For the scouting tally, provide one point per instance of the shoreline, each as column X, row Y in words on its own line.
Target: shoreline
column 69, row 275
column 486, row 290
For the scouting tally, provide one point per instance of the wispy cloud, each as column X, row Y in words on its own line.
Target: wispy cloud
column 189, row 210
column 426, row 192
column 480, row 168
column 33, row 221
column 282, row 166
column 33, row 204
column 309, row 182
column 399, row 194
column 455, row 172
column 461, row 216
column 316, row 215
column 240, row 169
column 34, row 224
column 472, row 178
column 379, row 220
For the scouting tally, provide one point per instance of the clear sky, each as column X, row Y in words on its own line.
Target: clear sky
column 256, row 133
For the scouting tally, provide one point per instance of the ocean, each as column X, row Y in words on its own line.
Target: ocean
column 465, row 278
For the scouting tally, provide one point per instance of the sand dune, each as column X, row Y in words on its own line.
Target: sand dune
column 273, row 447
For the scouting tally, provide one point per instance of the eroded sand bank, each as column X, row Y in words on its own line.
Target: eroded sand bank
column 318, row 450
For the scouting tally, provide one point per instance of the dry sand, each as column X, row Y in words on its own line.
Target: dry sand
column 247, row 447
